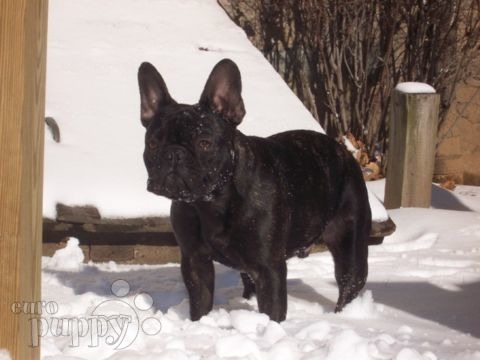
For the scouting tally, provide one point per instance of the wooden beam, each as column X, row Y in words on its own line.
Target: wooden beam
column 23, row 32
column 411, row 153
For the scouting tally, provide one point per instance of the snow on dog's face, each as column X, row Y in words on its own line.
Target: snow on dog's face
column 189, row 151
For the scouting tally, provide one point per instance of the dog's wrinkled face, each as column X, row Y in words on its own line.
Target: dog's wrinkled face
column 189, row 151
column 188, row 154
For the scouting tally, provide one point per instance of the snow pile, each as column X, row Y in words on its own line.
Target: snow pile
column 70, row 258
column 362, row 307
column 248, row 322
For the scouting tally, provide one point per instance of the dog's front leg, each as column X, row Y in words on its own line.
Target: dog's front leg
column 271, row 288
column 198, row 275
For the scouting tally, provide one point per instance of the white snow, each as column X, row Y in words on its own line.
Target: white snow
column 69, row 258
column 415, row 88
column 379, row 213
column 420, row 301
column 94, row 51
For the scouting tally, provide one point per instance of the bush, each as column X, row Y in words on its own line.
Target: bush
column 344, row 57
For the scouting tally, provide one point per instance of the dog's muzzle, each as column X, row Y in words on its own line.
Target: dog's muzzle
column 171, row 186
column 153, row 187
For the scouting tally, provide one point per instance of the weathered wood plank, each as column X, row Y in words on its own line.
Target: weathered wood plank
column 140, row 244
column 91, row 221
column 411, row 153
column 77, row 214
column 23, row 30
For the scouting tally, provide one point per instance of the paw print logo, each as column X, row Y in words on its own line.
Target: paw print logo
column 118, row 322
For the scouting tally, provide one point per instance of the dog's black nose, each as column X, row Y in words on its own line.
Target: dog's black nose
column 150, row 185
column 153, row 186
column 175, row 154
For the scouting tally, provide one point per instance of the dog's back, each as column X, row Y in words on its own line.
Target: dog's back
column 327, row 185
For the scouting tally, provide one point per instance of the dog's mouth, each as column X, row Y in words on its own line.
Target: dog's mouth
column 177, row 187
column 171, row 186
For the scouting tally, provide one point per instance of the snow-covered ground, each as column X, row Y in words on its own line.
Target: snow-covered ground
column 422, row 301
column 423, row 293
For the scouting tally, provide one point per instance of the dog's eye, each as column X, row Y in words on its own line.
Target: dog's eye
column 205, row 145
column 152, row 144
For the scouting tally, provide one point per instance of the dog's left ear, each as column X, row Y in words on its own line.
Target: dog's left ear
column 222, row 92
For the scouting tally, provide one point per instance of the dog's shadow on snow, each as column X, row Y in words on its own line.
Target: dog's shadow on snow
column 165, row 286
column 457, row 308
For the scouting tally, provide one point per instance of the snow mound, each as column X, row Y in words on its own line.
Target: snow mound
column 316, row 331
column 362, row 307
column 248, row 321
column 235, row 346
column 412, row 354
column 70, row 258
column 348, row 345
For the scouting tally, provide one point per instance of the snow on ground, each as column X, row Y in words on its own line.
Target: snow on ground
column 94, row 51
column 421, row 301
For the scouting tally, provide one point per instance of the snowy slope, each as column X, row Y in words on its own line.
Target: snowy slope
column 94, row 50
column 421, row 301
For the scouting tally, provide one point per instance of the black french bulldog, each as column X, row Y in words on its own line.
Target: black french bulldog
column 249, row 202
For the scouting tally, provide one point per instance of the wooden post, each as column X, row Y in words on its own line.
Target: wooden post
column 23, row 33
column 411, row 151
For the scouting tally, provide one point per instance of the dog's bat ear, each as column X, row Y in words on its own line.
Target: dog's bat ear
column 153, row 93
column 222, row 92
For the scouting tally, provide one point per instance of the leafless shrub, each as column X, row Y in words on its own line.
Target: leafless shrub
column 344, row 57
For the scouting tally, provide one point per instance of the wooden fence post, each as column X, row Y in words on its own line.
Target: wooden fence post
column 23, row 33
column 411, row 151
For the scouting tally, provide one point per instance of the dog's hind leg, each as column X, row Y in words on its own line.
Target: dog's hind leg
column 248, row 285
column 351, row 267
column 346, row 236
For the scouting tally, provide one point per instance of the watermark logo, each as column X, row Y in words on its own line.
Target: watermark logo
column 114, row 322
